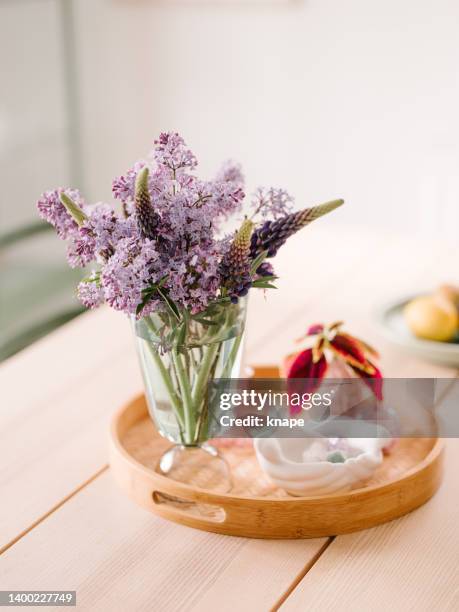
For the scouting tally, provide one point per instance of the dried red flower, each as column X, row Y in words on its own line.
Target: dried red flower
column 310, row 372
column 312, row 363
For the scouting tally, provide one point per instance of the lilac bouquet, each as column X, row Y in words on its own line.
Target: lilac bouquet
column 163, row 259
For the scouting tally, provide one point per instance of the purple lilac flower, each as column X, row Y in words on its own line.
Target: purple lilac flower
column 96, row 239
column 90, row 293
column 188, row 207
column 81, row 249
column 159, row 181
column 128, row 272
column 227, row 199
column 169, row 232
column 272, row 202
column 106, row 226
column 52, row 210
column 123, row 187
column 171, row 151
column 194, row 280
column 188, row 215
column 230, row 172
column 194, row 213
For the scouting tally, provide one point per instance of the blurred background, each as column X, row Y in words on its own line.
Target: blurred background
column 328, row 98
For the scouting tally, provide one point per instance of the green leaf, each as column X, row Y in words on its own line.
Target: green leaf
column 142, row 305
column 262, row 279
column 149, row 292
column 259, row 282
column 154, row 286
column 210, row 311
column 170, row 304
column 263, row 284
column 180, row 334
column 258, row 261
column 203, row 320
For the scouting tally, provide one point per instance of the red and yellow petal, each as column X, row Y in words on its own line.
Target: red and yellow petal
column 374, row 380
column 309, row 372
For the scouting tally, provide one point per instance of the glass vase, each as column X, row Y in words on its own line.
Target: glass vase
column 179, row 355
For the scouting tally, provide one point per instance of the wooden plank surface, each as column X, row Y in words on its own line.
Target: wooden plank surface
column 53, row 437
column 57, row 456
column 119, row 557
column 57, row 398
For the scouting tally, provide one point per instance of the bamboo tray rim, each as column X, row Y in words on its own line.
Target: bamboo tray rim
column 432, row 455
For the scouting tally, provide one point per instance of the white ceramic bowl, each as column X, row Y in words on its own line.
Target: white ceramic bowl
column 283, row 460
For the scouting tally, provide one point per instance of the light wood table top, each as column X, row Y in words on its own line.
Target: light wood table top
column 64, row 524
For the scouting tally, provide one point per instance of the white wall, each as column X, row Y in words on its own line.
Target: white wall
column 329, row 98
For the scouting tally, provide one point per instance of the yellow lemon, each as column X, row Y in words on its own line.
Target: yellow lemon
column 432, row 318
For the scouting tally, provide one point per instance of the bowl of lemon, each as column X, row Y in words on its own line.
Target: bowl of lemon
column 426, row 325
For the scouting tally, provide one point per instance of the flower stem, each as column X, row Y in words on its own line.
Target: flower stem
column 210, row 352
column 231, row 357
column 204, row 412
column 185, row 389
column 165, row 375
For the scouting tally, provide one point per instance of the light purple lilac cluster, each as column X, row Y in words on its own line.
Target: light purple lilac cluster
column 166, row 234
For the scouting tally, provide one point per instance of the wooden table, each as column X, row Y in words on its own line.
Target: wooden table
column 65, row 525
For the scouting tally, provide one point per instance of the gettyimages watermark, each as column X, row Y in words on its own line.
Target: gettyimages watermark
column 297, row 408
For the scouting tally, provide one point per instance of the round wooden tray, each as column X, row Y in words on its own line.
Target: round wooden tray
column 408, row 477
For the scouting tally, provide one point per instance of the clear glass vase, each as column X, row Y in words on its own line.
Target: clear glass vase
column 179, row 355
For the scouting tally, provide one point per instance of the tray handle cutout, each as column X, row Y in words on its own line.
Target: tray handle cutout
column 186, row 507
